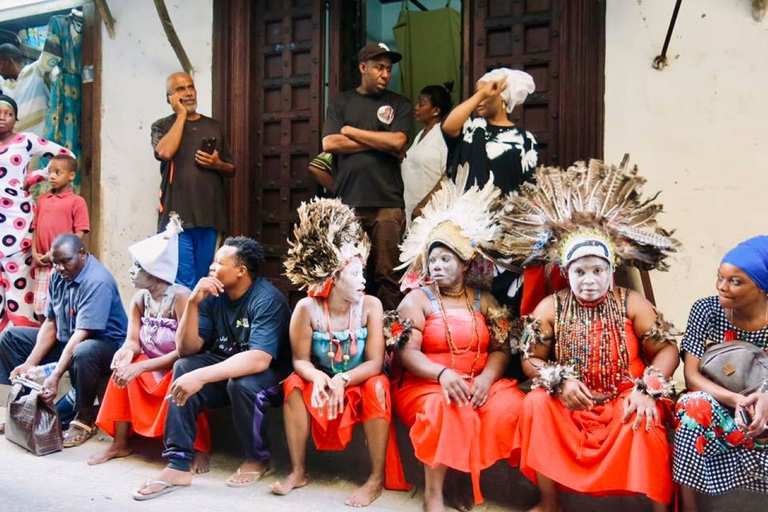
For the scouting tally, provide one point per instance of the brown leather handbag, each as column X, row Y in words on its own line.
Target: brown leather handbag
column 738, row 366
column 31, row 422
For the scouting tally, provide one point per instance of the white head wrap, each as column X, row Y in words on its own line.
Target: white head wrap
column 159, row 254
column 519, row 85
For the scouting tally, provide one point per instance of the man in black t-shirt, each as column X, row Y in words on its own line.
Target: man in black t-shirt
column 366, row 129
column 194, row 162
column 234, row 348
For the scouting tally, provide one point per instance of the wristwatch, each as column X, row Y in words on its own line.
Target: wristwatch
column 346, row 378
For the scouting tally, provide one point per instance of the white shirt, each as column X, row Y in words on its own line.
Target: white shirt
column 422, row 167
column 31, row 93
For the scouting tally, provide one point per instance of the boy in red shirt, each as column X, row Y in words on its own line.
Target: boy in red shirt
column 59, row 211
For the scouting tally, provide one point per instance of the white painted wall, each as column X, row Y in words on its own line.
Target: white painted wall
column 697, row 129
column 134, row 67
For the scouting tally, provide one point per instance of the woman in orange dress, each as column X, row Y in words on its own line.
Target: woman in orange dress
column 135, row 400
column 337, row 344
column 601, row 356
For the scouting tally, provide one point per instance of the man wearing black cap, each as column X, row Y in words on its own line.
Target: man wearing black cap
column 366, row 129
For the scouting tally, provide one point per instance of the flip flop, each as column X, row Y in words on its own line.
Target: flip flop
column 167, row 487
column 258, row 474
column 72, row 439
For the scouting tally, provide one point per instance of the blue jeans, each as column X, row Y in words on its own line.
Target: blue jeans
column 196, row 249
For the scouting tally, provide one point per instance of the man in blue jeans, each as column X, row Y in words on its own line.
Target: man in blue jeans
column 234, row 348
column 85, row 325
column 194, row 164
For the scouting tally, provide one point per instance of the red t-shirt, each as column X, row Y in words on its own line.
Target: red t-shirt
column 58, row 214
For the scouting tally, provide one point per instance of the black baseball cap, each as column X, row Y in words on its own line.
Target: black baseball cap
column 373, row 50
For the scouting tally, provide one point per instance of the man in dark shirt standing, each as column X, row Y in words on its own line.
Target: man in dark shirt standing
column 234, row 348
column 366, row 129
column 194, row 160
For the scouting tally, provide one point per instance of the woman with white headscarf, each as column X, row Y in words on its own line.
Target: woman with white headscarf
column 491, row 142
column 135, row 400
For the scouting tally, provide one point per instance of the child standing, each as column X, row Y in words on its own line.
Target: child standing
column 59, row 211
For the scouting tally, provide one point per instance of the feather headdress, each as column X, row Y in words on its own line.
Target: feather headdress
column 465, row 221
column 596, row 204
column 327, row 236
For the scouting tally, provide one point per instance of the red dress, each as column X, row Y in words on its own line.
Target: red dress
column 462, row 438
column 592, row 451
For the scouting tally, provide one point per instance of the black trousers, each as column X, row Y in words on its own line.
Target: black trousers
column 251, row 396
column 90, row 362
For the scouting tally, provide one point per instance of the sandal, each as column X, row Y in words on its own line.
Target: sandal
column 167, row 487
column 258, row 475
column 78, row 433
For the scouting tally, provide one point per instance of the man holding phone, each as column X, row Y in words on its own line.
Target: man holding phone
column 194, row 162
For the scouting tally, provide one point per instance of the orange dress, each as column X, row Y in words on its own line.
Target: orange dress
column 142, row 403
column 360, row 405
column 462, row 438
column 593, row 451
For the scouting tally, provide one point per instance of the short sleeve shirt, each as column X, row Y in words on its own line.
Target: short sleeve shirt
column 198, row 195
column 369, row 178
column 508, row 152
column 57, row 214
column 90, row 302
column 708, row 322
column 256, row 321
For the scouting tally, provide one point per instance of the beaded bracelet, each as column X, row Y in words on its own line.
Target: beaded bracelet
column 654, row 384
column 552, row 376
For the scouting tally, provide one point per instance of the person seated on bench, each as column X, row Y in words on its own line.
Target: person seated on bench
column 233, row 346
column 337, row 343
column 135, row 397
column 85, row 324
column 601, row 356
column 450, row 394
column 716, row 451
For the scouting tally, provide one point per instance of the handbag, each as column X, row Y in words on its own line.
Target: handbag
column 738, row 366
column 31, row 422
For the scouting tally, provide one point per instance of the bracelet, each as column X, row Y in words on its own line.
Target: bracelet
column 441, row 374
column 654, row 384
column 552, row 376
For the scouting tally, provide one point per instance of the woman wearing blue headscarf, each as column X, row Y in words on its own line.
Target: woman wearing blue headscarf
column 715, row 450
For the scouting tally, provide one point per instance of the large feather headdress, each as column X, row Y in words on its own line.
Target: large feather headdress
column 465, row 221
column 598, row 204
column 326, row 238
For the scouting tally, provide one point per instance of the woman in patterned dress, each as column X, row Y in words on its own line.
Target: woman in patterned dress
column 715, row 452
column 16, row 210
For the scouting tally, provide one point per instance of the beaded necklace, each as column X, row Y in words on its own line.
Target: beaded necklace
column 449, row 335
column 601, row 362
column 336, row 352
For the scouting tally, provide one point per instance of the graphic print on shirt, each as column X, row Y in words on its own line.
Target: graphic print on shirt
column 497, row 144
column 242, row 334
column 386, row 114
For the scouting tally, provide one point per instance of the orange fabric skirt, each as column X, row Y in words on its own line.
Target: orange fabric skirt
column 142, row 403
column 360, row 405
column 592, row 451
column 462, row 438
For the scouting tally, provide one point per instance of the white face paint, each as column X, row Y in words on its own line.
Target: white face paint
column 139, row 277
column 350, row 283
column 590, row 278
column 445, row 267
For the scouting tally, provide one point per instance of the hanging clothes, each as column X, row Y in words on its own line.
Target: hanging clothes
column 62, row 124
column 430, row 42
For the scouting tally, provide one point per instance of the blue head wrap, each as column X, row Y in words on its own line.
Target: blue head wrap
column 751, row 256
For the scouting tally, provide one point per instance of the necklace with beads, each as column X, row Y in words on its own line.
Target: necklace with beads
column 474, row 340
column 338, row 353
column 592, row 337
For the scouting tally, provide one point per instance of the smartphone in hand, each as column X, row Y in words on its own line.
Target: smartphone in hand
column 208, row 145
column 745, row 417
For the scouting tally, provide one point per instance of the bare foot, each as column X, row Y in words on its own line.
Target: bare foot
column 458, row 491
column 170, row 475
column 112, row 452
column 201, row 463
column 433, row 502
column 366, row 493
column 293, row 481
column 542, row 507
column 248, row 473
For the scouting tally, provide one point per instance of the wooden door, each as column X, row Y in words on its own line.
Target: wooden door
column 560, row 43
column 277, row 113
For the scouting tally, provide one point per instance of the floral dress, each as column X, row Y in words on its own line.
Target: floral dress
column 711, row 454
column 16, row 210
